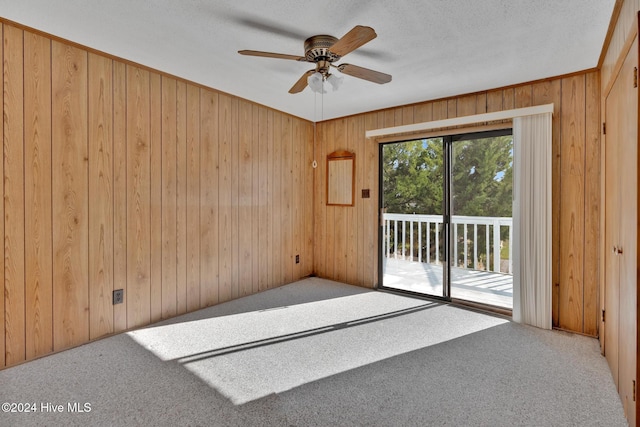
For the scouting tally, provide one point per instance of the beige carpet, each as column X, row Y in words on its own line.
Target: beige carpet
column 320, row 353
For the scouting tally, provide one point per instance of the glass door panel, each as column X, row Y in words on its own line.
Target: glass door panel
column 481, row 220
column 413, row 231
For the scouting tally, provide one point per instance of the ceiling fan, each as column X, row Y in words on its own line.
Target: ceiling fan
column 324, row 50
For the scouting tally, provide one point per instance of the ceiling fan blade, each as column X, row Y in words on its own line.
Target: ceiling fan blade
column 355, row 38
column 263, row 24
column 301, row 83
column 271, row 55
column 364, row 73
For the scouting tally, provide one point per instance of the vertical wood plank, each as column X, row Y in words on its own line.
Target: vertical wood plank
column 360, row 224
column 234, row 264
column 371, row 168
column 545, row 93
column 193, row 198
column 452, row 108
column 215, row 187
column 397, row 115
column 494, row 101
column 390, row 119
column 481, row 103
column 270, row 219
column 38, row 255
column 508, row 99
column 351, row 234
column 70, row 196
column 319, row 248
column 296, row 197
column 603, row 255
column 101, row 191
column 120, row 192
column 169, row 198
column 138, row 198
column 466, row 105
column 244, row 237
column 14, row 203
column 423, row 112
column 2, row 311
column 276, row 201
column 286, row 171
column 572, row 196
column 330, row 218
column 440, row 110
column 255, row 198
column 262, row 213
column 592, row 204
column 210, row 187
column 408, row 114
column 181, row 197
column 307, row 262
column 523, row 96
column 626, row 21
column 155, row 155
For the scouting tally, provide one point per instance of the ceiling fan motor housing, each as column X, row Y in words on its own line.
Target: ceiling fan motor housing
column 316, row 48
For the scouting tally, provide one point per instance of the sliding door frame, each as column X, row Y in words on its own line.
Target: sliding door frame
column 447, row 146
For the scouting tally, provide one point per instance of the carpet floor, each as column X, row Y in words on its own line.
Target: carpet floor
column 321, row 353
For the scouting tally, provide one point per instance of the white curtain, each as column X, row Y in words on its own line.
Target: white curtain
column 532, row 220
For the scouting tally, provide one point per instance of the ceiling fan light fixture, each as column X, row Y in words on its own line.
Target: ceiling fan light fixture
column 335, row 81
column 315, row 82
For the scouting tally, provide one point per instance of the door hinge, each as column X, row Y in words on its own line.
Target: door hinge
column 635, row 76
column 603, row 316
column 604, row 128
column 634, row 390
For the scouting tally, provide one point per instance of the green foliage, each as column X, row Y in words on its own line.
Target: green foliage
column 482, row 177
column 412, row 173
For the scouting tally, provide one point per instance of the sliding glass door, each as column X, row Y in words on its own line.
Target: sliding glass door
column 413, row 235
column 481, row 221
column 446, row 226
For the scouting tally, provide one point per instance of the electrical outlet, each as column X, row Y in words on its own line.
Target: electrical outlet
column 118, row 296
column 297, row 259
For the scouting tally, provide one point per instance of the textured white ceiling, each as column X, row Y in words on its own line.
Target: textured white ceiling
column 433, row 48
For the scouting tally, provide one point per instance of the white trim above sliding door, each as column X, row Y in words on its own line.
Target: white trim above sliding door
column 460, row 121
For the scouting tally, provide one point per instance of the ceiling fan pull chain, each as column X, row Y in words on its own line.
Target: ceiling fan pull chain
column 315, row 119
column 322, row 103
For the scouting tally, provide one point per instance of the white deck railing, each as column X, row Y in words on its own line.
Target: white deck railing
column 419, row 238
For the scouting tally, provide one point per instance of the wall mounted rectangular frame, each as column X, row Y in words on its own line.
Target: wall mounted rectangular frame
column 341, row 166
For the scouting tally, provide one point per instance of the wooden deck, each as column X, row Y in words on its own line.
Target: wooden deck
column 483, row 287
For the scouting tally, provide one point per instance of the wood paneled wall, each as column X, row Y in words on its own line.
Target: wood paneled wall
column 623, row 33
column 619, row 277
column 118, row 177
column 346, row 237
column 624, row 25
